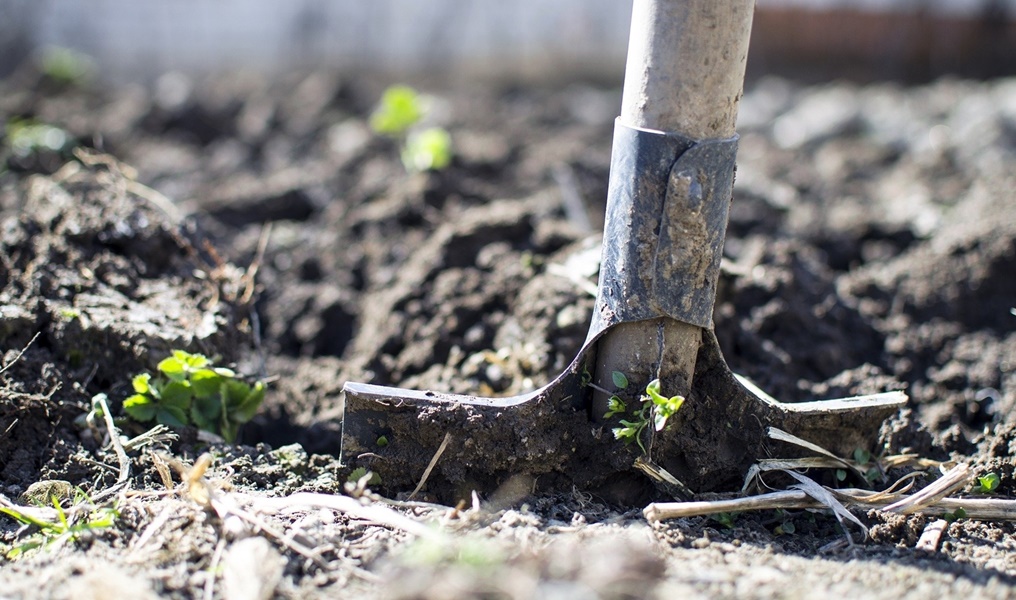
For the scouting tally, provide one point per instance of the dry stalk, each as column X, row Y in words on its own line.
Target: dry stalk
column 932, row 503
column 430, row 466
column 123, row 480
column 20, row 353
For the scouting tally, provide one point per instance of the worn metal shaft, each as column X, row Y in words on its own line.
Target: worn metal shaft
column 685, row 75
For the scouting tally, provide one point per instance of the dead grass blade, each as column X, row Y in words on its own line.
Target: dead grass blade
column 431, row 464
column 783, row 436
column 955, row 479
column 123, row 480
column 21, row 353
column 824, row 496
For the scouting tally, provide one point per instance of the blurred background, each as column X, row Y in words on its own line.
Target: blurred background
column 525, row 40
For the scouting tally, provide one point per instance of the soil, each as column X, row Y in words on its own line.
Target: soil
column 871, row 247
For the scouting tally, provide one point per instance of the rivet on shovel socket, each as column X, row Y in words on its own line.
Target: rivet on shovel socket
column 667, row 207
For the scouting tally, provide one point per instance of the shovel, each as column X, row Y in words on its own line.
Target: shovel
column 671, row 177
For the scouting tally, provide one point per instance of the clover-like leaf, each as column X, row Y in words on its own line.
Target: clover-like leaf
column 430, row 149
column 193, row 361
column 173, row 368
column 140, row 407
column 206, row 383
column 140, row 383
column 171, row 416
column 399, row 109
column 176, row 394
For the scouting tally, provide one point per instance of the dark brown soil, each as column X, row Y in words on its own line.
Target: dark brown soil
column 871, row 247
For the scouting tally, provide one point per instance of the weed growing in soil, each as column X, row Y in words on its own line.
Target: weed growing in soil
column 654, row 406
column 400, row 110
column 25, row 137
column 67, row 67
column 59, row 526
column 190, row 390
column 987, row 484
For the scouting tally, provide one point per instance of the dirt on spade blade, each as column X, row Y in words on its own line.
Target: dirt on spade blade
column 871, row 247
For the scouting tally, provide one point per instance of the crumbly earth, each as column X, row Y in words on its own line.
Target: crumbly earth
column 871, row 247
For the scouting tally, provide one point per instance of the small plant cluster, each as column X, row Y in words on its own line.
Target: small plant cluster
column 653, row 406
column 26, row 136
column 398, row 115
column 190, row 390
column 69, row 525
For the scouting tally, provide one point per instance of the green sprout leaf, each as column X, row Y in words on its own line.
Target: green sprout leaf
column 359, row 473
column 140, row 383
column 786, row 527
column 67, row 67
column 27, row 136
column 171, row 416
column 176, row 394
column 861, row 456
column 399, row 109
column 615, row 406
column 427, row 150
column 664, row 407
column 140, row 408
column 173, row 368
column 988, row 483
column 620, row 381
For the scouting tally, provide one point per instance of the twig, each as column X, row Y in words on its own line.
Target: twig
column 21, row 353
column 255, row 264
column 932, row 535
column 157, row 523
column 114, row 439
column 788, row 499
column 212, row 568
column 956, row 478
column 430, row 466
column 978, row 509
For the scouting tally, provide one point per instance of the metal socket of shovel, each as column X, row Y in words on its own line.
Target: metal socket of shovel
column 671, row 176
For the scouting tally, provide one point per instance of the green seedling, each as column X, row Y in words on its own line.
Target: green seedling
column 988, row 483
column 786, row 527
column 619, row 379
column 67, row 67
column 955, row 515
column 397, row 115
column 69, row 314
column 359, row 473
column 427, row 150
column 25, row 137
column 400, row 108
column 615, row 406
column 66, row 526
column 190, row 390
column 726, row 519
column 655, row 408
